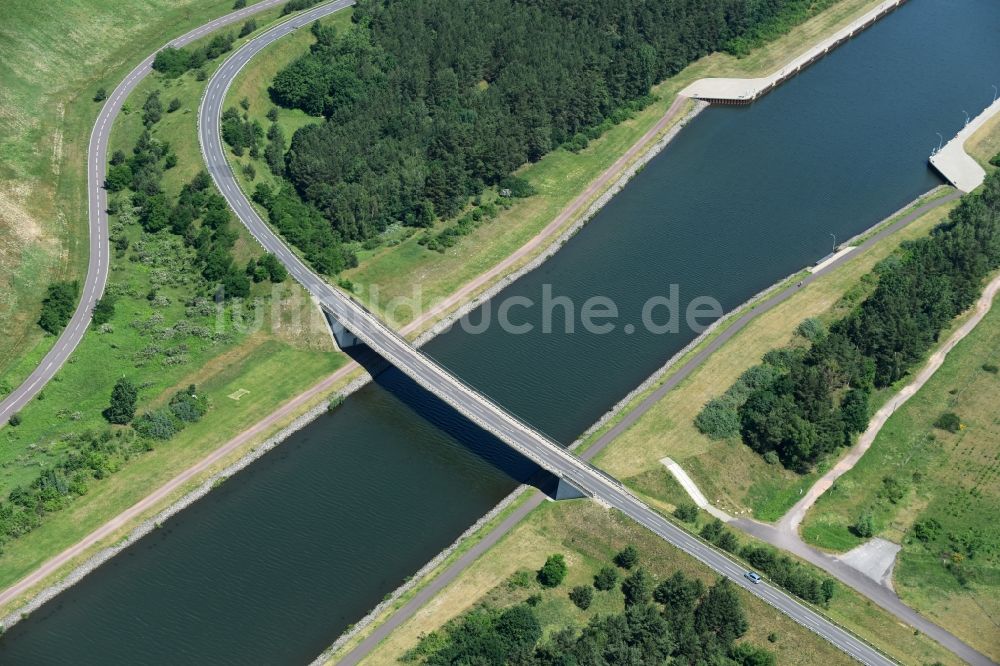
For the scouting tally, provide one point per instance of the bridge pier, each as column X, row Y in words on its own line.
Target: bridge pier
column 341, row 336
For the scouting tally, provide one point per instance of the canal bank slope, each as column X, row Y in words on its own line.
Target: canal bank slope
column 118, row 527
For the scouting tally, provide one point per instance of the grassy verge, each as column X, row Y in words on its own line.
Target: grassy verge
column 238, row 356
column 947, row 483
column 589, row 536
column 53, row 58
column 728, row 472
column 403, row 268
column 984, row 144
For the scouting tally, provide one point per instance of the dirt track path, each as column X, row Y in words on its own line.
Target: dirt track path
column 790, row 521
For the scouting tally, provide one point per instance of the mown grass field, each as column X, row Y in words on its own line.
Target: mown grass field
column 403, row 268
column 728, row 472
column 952, row 478
column 589, row 536
column 53, row 58
column 272, row 354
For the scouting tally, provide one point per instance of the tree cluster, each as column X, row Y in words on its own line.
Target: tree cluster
column 173, row 62
column 58, row 306
column 427, row 103
column 306, row 229
column 241, row 133
column 806, row 401
column 678, row 621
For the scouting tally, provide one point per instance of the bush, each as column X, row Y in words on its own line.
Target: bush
column 175, row 104
column 605, row 579
column 553, row 572
column 948, row 421
column 159, row 424
column 58, row 306
column 990, row 368
column 718, row 419
column 582, row 596
column 517, row 186
column 628, row 557
column 100, row 95
column 771, row 458
column 811, row 329
column 864, row 527
column 15, row 419
column 248, row 27
column 239, row 4
column 687, row 512
column 104, row 310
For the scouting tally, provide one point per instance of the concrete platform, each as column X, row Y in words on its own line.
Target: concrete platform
column 875, row 559
column 956, row 165
column 744, row 91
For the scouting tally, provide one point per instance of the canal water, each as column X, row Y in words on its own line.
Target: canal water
column 273, row 565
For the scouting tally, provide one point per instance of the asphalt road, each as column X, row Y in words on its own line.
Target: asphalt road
column 97, row 269
column 449, row 388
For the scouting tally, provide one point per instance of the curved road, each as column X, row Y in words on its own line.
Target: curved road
column 97, row 269
column 431, row 376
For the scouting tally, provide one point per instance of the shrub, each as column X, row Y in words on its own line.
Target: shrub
column 990, row 368
column 159, row 424
column 811, row 329
column 104, row 309
column 248, row 27
column 605, row 579
column 712, row 530
column 58, row 306
column 687, row 512
column 582, row 596
column 771, row 458
column 175, row 104
column 628, row 557
column 239, row 4
column 948, row 421
column 15, row 419
column 864, row 527
column 518, row 187
column 100, row 95
column 553, row 572
column 718, row 419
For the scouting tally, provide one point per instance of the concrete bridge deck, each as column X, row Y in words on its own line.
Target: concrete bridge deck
column 956, row 165
column 745, row 91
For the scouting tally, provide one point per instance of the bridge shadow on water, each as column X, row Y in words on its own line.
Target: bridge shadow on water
column 454, row 424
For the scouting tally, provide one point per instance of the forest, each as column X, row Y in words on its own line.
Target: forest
column 426, row 103
column 805, row 401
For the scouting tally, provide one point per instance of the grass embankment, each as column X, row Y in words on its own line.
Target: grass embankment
column 53, row 58
column 729, row 473
column 402, row 268
column 984, row 144
column 263, row 365
column 589, row 536
column 917, row 474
